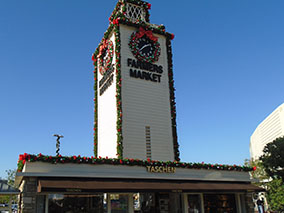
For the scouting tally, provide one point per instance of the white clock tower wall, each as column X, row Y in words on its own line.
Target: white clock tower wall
column 107, row 116
column 146, row 107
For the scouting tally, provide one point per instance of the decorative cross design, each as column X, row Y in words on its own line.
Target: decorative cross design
column 135, row 12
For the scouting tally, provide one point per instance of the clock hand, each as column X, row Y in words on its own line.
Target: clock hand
column 146, row 45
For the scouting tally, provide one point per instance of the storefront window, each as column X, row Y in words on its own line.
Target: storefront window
column 162, row 202
column 194, row 203
column 62, row 203
column 219, row 203
column 146, row 202
column 136, row 202
column 119, row 203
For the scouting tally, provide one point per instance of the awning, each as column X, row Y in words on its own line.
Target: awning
column 6, row 189
column 99, row 185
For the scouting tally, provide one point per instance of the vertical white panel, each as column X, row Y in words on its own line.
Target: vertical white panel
column 107, row 117
column 145, row 103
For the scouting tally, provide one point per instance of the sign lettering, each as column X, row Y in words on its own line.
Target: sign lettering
column 107, row 80
column 161, row 169
column 151, row 72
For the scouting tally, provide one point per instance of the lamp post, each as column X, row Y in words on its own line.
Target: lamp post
column 58, row 143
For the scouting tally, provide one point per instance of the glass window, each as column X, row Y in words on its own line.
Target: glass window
column 40, row 203
column 119, row 203
column 72, row 203
column 219, row 203
column 147, row 202
column 194, row 203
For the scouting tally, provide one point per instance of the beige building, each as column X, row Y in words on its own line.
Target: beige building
column 271, row 128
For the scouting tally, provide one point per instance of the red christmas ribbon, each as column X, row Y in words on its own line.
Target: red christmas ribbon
column 148, row 33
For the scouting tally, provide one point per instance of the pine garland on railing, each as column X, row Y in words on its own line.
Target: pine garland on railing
column 129, row 162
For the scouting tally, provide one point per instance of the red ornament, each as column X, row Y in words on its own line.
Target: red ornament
column 149, row 6
column 115, row 22
column 120, row 161
column 254, row 168
column 172, row 36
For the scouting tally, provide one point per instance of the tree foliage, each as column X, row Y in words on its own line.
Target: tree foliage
column 273, row 158
column 269, row 170
column 11, row 175
column 10, row 178
column 258, row 174
column 275, row 194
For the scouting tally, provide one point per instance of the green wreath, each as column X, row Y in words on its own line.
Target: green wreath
column 133, row 44
column 105, row 56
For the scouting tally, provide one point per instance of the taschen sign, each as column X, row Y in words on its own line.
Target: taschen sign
column 161, row 169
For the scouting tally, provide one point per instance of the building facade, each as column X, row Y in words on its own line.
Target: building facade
column 105, row 185
column 136, row 165
column 269, row 129
column 134, row 94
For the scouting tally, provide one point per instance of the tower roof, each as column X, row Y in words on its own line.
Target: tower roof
column 132, row 13
column 134, row 10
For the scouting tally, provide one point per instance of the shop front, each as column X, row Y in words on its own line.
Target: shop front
column 156, row 202
column 48, row 188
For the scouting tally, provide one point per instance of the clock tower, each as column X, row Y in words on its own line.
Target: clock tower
column 135, row 115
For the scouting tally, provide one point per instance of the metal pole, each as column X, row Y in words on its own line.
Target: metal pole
column 58, row 143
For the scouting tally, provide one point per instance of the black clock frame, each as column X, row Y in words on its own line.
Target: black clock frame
column 139, row 51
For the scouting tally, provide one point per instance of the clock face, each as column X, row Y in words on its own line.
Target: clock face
column 145, row 46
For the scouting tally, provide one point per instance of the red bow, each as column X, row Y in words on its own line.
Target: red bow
column 149, row 34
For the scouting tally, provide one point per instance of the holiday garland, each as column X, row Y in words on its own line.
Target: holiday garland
column 119, row 147
column 172, row 99
column 129, row 162
column 94, row 58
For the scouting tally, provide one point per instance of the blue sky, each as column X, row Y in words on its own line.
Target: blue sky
column 228, row 70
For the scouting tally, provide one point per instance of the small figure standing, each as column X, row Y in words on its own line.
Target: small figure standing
column 260, row 206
